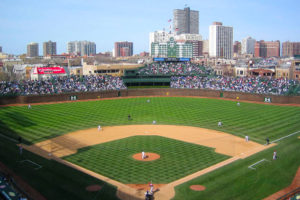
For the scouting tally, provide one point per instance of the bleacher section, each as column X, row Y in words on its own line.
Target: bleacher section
column 160, row 73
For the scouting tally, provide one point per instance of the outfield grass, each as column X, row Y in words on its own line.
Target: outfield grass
column 46, row 121
column 114, row 159
column 236, row 181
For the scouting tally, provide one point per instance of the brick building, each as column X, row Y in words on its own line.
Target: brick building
column 237, row 47
column 123, row 49
column 290, row 49
column 266, row 49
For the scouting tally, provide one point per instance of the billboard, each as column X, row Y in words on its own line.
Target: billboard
column 49, row 70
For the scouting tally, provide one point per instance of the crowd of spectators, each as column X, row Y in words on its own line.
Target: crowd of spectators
column 184, row 78
column 9, row 189
column 58, row 85
column 173, row 68
column 256, row 85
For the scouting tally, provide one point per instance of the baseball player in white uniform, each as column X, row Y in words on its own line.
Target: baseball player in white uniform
column 274, row 155
column 151, row 188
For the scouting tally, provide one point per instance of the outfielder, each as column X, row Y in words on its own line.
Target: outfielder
column 274, row 155
column 219, row 123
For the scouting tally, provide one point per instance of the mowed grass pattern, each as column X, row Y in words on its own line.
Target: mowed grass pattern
column 114, row 159
column 236, row 181
column 46, row 121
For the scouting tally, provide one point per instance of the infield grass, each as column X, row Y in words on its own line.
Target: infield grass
column 177, row 159
column 258, row 121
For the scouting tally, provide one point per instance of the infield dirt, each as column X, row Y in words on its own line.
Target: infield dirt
column 223, row 143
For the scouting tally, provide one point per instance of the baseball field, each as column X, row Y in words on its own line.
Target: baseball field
column 183, row 132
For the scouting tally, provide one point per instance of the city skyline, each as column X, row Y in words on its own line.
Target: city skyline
column 105, row 22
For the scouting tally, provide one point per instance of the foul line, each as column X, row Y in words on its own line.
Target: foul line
column 285, row 137
column 262, row 160
column 11, row 139
column 38, row 166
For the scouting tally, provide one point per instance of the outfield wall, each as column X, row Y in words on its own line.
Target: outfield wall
column 148, row 92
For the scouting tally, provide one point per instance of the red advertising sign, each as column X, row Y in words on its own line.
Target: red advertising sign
column 49, row 70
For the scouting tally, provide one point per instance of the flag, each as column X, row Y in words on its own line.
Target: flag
column 169, row 20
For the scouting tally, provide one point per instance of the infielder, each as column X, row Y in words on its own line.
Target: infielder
column 274, row 155
column 246, row 138
column 99, row 128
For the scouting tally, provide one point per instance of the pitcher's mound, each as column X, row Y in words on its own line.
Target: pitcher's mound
column 197, row 187
column 149, row 156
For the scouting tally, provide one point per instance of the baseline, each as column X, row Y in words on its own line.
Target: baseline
column 285, row 137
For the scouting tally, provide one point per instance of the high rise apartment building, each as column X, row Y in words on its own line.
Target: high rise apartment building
column 49, row 48
column 248, row 45
column 83, row 48
column 220, row 41
column 185, row 21
column 123, row 49
column 205, row 47
column 266, row 49
column 33, row 49
column 290, row 49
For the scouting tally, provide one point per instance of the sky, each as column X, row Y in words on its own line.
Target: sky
column 109, row 21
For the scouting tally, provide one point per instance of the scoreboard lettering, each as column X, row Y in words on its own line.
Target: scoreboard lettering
column 267, row 100
column 73, row 98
